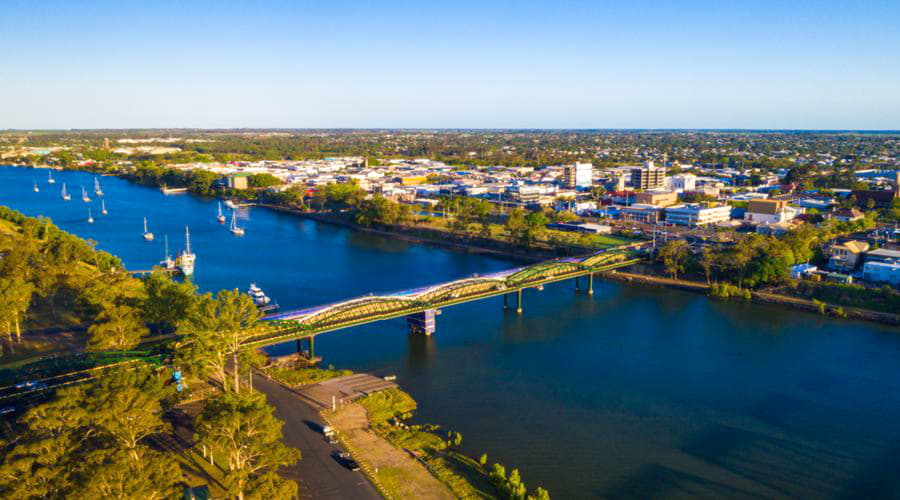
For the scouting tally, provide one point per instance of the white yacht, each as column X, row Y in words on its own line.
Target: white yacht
column 147, row 234
column 258, row 296
column 187, row 259
column 90, row 217
column 97, row 190
column 84, row 196
column 65, row 196
column 220, row 217
column 103, row 210
column 235, row 230
column 50, row 179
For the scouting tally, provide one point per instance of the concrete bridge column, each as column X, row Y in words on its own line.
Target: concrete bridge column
column 505, row 304
column 590, row 283
column 576, row 284
column 519, row 301
column 422, row 322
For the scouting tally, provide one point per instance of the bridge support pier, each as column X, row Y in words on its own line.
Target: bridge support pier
column 576, row 284
column 308, row 354
column 519, row 302
column 422, row 322
column 505, row 302
column 590, row 283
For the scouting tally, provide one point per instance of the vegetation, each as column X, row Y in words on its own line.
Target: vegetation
column 305, row 375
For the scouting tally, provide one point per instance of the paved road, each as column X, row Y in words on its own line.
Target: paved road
column 318, row 474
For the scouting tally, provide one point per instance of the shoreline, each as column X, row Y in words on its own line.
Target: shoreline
column 535, row 255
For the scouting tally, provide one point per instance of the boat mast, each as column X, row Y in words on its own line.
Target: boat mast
column 187, row 240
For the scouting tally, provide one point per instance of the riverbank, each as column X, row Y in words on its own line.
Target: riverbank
column 759, row 297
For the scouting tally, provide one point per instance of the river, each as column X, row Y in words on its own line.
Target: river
column 635, row 392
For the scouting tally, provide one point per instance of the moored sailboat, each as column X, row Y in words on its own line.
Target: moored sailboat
column 65, row 195
column 220, row 217
column 90, row 219
column 147, row 234
column 84, row 196
column 235, row 230
column 103, row 208
column 50, row 179
column 186, row 259
column 97, row 190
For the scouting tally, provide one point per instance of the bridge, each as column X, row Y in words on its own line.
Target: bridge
column 420, row 305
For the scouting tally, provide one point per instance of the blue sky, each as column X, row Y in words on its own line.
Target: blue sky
column 593, row 64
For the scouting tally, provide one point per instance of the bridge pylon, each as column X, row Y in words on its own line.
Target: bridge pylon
column 422, row 322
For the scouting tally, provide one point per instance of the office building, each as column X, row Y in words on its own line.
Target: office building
column 579, row 175
column 698, row 214
column 648, row 176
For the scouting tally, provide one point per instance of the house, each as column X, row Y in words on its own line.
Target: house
column 846, row 215
column 770, row 211
column 845, row 256
column 779, row 228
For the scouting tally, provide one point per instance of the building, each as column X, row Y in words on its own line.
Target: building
column 657, row 198
column 648, row 177
column 770, row 211
column 237, row 181
column 846, row 215
column 879, row 198
column 845, row 256
column 579, row 175
column 683, row 182
column 882, row 272
column 883, row 255
column 698, row 214
column 647, row 214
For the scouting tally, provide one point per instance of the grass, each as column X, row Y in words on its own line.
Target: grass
column 463, row 475
column 385, row 405
column 303, row 376
column 413, row 438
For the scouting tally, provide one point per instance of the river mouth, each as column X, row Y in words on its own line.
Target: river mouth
column 635, row 392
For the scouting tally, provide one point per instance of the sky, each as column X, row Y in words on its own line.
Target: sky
column 433, row 64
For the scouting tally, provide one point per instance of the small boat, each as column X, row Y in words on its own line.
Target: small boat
column 168, row 262
column 186, row 259
column 65, row 196
column 50, row 179
column 235, row 230
column 90, row 217
column 84, row 196
column 147, row 234
column 36, row 190
column 97, row 190
column 220, row 217
column 103, row 208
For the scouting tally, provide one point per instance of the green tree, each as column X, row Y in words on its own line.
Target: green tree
column 117, row 327
column 674, row 256
column 15, row 299
column 242, row 429
column 167, row 301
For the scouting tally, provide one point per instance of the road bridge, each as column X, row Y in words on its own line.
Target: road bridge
column 420, row 304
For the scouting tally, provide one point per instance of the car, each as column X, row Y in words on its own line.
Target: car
column 6, row 410
column 348, row 461
column 330, row 439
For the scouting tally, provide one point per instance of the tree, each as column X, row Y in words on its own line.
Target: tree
column 167, row 302
column 262, row 180
column 15, row 299
column 674, row 256
column 708, row 260
column 242, row 429
column 144, row 473
column 215, row 329
column 116, row 327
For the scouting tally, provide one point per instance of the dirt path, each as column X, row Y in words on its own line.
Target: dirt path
column 402, row 475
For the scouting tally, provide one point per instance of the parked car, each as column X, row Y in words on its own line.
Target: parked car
column 330, row 439
column 348, row 461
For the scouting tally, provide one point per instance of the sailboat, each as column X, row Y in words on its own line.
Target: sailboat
column 235, row 230
column 50, row 179
column 147, row 234
column 65, row 196
column 167, row 262
column 220, row 218
column 186, row 261
column 36, row 190
column 90, row 217
column 103, row 208
column 84, row 196
column 97, row 189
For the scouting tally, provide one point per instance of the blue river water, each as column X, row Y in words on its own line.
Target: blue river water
column 636, row 392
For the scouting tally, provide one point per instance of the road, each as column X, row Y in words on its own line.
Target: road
column 318, row 475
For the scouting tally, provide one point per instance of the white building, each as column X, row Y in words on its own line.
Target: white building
column 682, row 182
column 579, row 175
column 882, row 272
column 697, row 214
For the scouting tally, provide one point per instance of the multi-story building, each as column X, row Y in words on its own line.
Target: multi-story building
column 648, row 176
column 683, row 182
column 647, row 214
column 698, row 214
column 579, row 175
column 657, row 198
